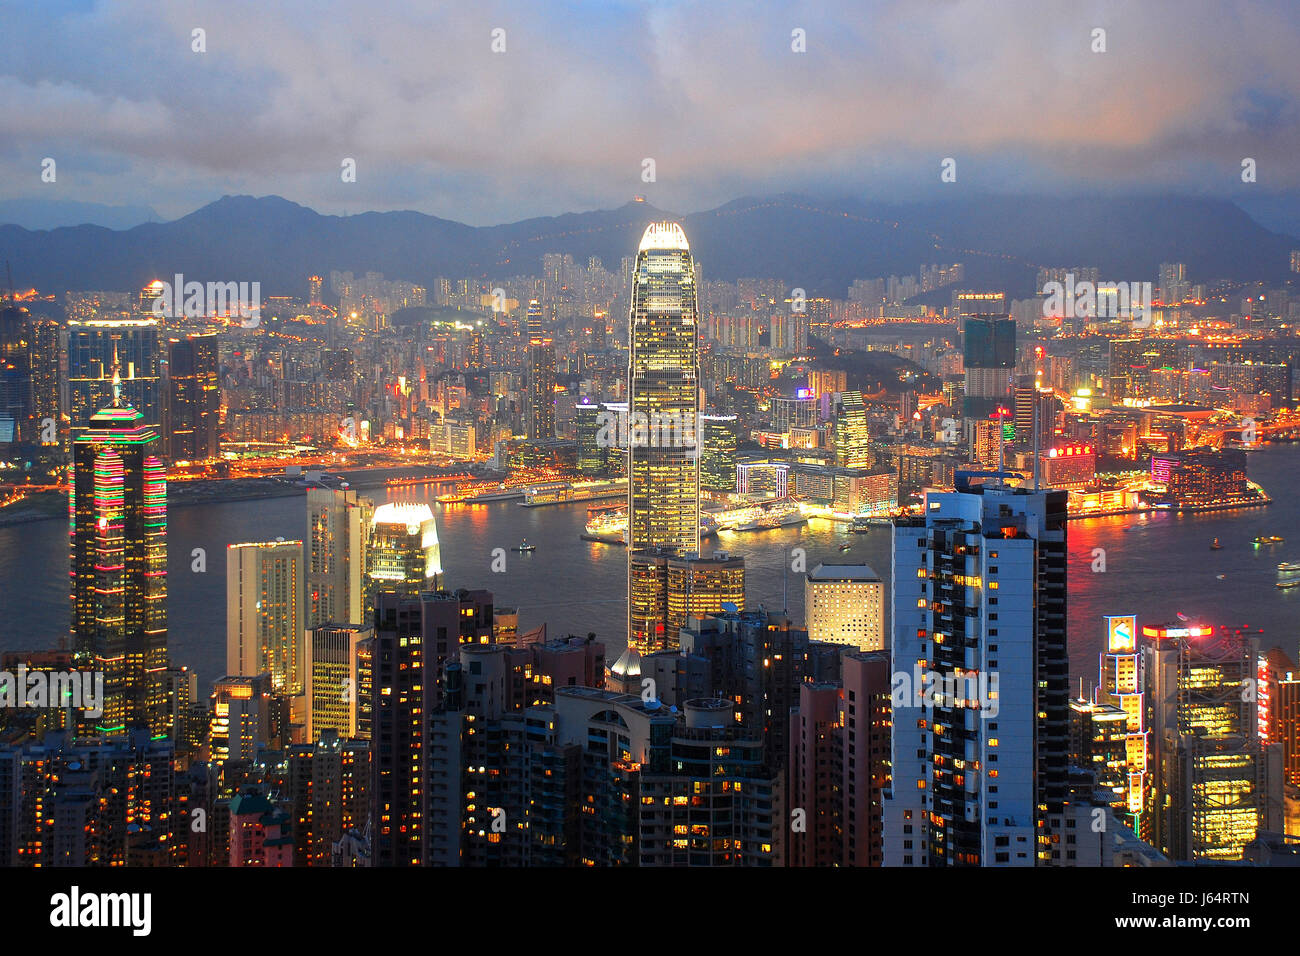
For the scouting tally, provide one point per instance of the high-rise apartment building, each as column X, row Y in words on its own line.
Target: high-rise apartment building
column 265, row 632
column 839, row 765
column 118, row 515
column 981, row 703
column 338, row 544
column 411, row 668
column 246, row 716
column 401, row 679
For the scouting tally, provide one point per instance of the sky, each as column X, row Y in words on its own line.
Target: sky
column 565, row 116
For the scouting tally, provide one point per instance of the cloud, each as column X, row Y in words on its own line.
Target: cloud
column 585, row 91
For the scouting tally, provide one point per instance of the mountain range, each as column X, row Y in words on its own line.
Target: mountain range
column 818, row 245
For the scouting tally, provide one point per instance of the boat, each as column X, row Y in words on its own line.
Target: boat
column 1268, row 539
column 769, row 515
column 845, row 547
column 525, row 547
column 1289, row 583
column 610, row 526
column 1215, row 546
column 1220, row 577
column 1288, row 567
column 860, row 524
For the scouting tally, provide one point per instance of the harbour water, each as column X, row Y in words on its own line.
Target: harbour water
column 1156, row 567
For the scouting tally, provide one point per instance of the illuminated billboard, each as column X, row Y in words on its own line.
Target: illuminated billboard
column 1121, row 632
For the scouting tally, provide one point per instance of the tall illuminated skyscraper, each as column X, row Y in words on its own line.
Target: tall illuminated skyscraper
column 851, row 433
column 541, row 377
column 193, row 406
column 404, row 553
column 989, row 356
column 264, row 616
column 1121, row 686
column 667, row 589
column 1208, row 786
column 338, row 541
column 118, row 517
column 719, row 435
column 664, row 402
column 16, row 411
column 333, row 678
column 95, row 348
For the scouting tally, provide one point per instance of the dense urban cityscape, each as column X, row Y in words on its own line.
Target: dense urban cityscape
column 375, row 712
column 637, row 537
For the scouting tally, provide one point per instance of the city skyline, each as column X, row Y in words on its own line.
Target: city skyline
column 924, row 499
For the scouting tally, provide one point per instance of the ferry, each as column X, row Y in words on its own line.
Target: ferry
column 1268, row 539
column 610, row 527
column 769, row 515
column 860, row 524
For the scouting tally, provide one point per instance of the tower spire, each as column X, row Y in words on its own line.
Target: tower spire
column 117, row 379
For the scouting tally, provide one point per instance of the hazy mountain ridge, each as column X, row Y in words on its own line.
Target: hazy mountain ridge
column 818, row 245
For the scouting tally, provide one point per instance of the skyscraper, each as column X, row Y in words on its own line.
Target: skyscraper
column 264, row 616
column 663, row 398
column 193, row 407
column 333, row 678
column 1207, row 785
column 851, row 433
column 839, row 764
column 1121, row 687
column 989, row 356
column 981, row 697
column 16, row 393
column 118, row 515
column 404, row 553
column 541, row 376
column 720, row 436
column 338, row 542
column 668, row 589
column 95, row 348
